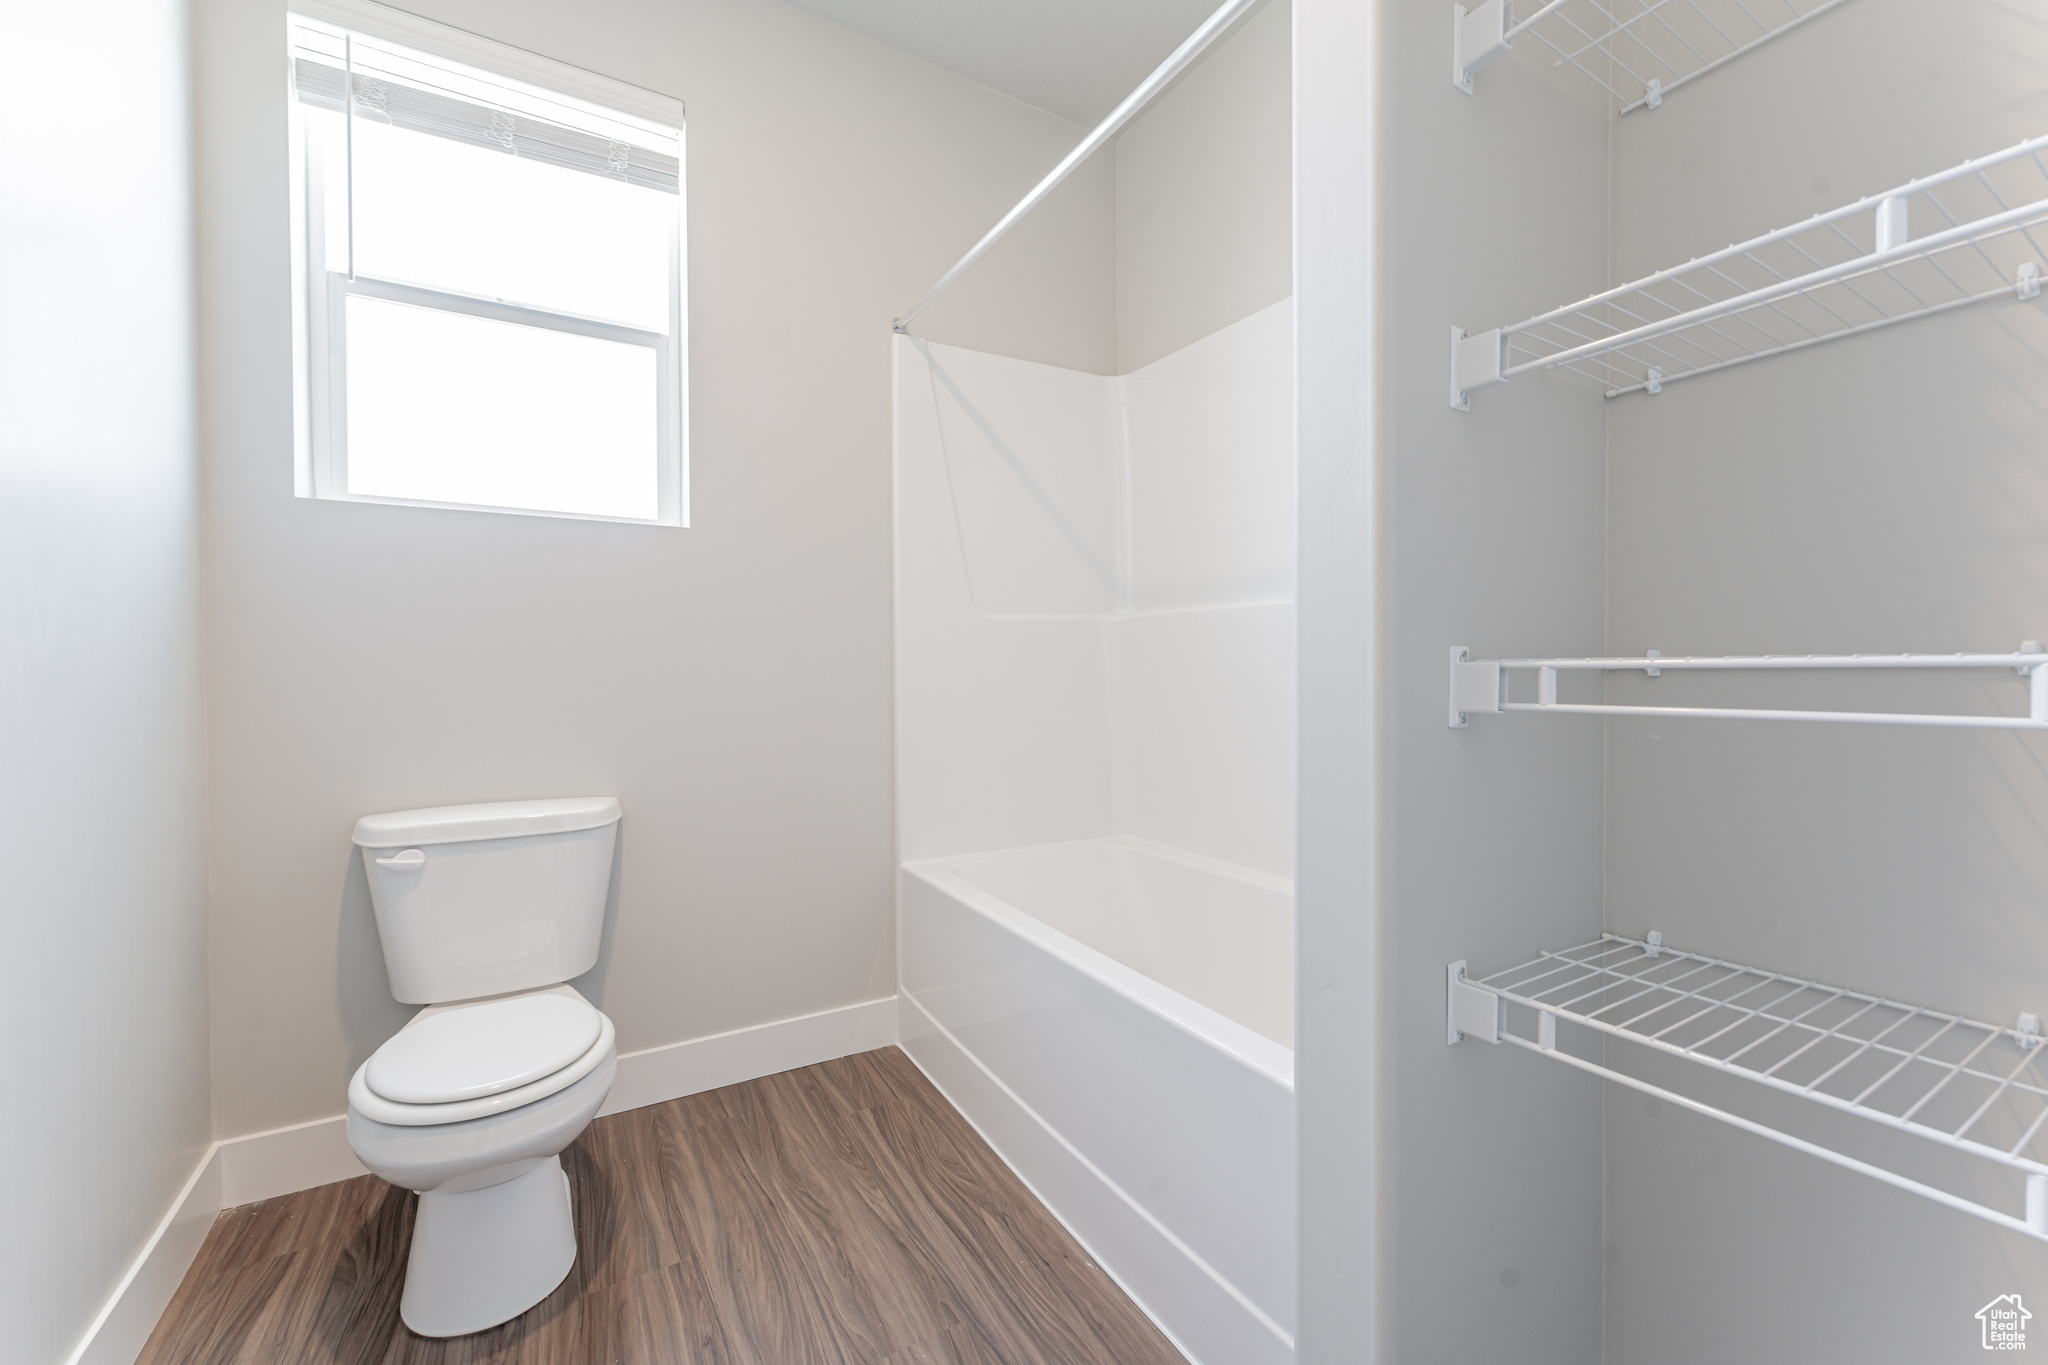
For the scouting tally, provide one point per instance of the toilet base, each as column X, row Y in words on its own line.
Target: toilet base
column 482, row 1257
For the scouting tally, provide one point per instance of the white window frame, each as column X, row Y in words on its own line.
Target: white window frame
column 319, row 306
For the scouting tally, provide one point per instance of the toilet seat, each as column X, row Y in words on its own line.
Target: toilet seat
column 527, row 1049
column 466, row 1054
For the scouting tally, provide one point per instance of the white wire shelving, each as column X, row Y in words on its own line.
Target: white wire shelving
column 1481, row 685
column 1638, row 51
column 1971, row 1087
column 1945, row 241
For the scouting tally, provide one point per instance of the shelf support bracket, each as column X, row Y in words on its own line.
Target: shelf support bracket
column 1892, row 231
column 1479, row 37
column 1475, row 363
column 1474, row 686
column 1473, row 1011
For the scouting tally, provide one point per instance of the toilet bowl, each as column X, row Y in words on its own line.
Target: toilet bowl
column 494, row 1234
column 485, row 911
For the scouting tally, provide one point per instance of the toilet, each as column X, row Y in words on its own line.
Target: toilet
column 486, row 912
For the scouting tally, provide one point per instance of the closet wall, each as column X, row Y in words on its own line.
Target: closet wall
column 1880, row 493
column 1343, row 920
column 1877, row 494
column 1487, row 533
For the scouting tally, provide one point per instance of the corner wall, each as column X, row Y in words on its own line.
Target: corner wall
column 102, row 720
column 1451, row 1195
column 1204, row 209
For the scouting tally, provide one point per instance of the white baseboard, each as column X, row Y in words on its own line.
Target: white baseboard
column 242, row 1170
column 122, row 1329
column 285, row 1160
column 744, row 1054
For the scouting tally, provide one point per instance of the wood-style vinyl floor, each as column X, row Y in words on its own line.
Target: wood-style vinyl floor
column 841, row 1213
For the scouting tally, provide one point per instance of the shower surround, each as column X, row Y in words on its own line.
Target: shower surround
column 1095, row 780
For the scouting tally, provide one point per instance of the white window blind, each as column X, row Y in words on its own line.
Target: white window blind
column 492, row 311
column 421, row 109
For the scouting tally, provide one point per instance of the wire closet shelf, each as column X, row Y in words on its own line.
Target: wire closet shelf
column 1638, row 51
column 1480, row 685
column 1945, row 241
column 1972, row 1087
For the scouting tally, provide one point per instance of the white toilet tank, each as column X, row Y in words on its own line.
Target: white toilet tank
column 480, row 900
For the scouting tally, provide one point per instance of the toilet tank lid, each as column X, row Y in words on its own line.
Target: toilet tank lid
column 489, row 820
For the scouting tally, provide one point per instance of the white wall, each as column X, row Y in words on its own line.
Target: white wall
column 1874, row 494
column 1210, row 468
column 1205, row 659
column 102, row 741
column 1492, row 539
column 730, row 683
column 1477, row 1235
column 1344, row 922
column 1203, row 184
column 1002, row 716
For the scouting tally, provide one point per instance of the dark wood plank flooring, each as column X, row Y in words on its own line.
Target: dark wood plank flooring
column 844, row 1213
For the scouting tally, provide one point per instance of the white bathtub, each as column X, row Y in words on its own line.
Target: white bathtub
column 1116, row 1018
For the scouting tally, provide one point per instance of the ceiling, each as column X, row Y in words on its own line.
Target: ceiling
column 1076, row 58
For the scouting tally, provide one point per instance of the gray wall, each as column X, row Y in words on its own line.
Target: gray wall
column 1424, row 528
column 1343, row 909
column 1491, row 537
column 102, row 740
column 729, row 682
column 1204, row 203
column 1876, row 494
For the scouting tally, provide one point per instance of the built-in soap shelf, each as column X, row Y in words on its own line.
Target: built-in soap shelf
column 1481, row 685
column 1941, row 242
column 1970, row 1087
column 1638, row 51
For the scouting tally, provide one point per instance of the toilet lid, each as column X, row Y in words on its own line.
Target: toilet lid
column 479, row 1050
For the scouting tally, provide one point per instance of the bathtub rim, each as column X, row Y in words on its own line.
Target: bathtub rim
column 1246, row 1045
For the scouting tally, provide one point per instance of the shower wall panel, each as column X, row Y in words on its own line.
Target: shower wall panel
column 1002, row 727
column 1095, row 669
column 1094, row 599
column 1207, row 732
column 1211, row 468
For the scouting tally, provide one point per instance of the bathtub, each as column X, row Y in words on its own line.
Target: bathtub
column 1116, row 1018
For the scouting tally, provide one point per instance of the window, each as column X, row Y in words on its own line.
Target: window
column 491, row 305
